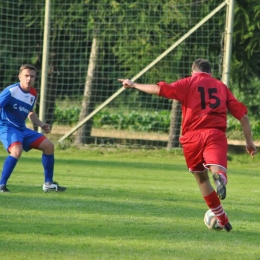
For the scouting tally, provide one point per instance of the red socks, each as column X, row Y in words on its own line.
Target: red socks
column 213, row 202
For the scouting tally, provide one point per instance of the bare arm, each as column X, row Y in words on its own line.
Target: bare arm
column 148, row 88
column 250, row 146
column 36, row 121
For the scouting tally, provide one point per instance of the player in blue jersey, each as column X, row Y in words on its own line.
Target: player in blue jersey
column 16, row 105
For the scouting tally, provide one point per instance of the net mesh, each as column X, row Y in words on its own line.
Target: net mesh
column 92, row 44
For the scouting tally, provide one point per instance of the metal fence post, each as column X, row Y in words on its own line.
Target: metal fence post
column 45, row 55
column 228, row 42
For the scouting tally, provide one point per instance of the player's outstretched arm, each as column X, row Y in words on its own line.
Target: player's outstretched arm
column 148, row 88
column 250, row 146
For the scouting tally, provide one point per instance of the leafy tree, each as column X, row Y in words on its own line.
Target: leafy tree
column 246, row 54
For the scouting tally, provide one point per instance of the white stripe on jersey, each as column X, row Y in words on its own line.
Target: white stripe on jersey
column 18, row 94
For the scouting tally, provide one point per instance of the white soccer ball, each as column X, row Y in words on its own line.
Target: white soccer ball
column 210, row 220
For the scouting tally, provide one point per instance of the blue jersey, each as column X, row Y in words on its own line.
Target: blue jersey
column 15, row 105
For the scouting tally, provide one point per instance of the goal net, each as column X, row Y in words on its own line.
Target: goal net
column 92, row 44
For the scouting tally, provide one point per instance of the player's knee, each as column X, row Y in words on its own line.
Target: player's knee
column 47, row 146
column 50, row 148
column 16, row 151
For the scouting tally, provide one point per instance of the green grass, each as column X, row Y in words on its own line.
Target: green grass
column 125, row 204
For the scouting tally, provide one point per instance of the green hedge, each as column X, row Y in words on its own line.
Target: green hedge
column 66, row 116
column 112, row 119
column 235, row 131
column 118, row 119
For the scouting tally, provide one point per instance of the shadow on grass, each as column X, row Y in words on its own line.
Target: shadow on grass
column 112, row 201
column 113, row 163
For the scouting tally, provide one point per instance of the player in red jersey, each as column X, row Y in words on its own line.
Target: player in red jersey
column 205, row 102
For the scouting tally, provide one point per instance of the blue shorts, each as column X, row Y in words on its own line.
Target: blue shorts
column 26, row 136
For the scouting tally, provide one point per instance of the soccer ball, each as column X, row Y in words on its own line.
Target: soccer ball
column 211, row 220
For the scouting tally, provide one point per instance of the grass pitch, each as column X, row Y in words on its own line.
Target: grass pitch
column 125, row 204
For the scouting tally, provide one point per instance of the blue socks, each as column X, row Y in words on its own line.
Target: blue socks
column 8, row 168
column 10, row 163
column 48, row 165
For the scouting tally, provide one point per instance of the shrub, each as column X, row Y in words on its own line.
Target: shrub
column 68, row 116
column 158, row 121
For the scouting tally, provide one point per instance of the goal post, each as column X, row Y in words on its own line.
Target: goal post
column 45, row 61
column 228, row 41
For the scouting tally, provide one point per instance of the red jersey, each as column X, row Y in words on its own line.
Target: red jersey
column 205, row 102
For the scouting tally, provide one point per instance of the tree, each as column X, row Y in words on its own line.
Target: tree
column 88, row 104
column 246, row 54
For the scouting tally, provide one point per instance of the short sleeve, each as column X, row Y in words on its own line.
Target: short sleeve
column 176, row 90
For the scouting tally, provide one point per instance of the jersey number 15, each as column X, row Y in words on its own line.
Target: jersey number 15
column 211, row 92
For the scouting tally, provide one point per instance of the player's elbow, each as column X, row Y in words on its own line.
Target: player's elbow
column 243, row 118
